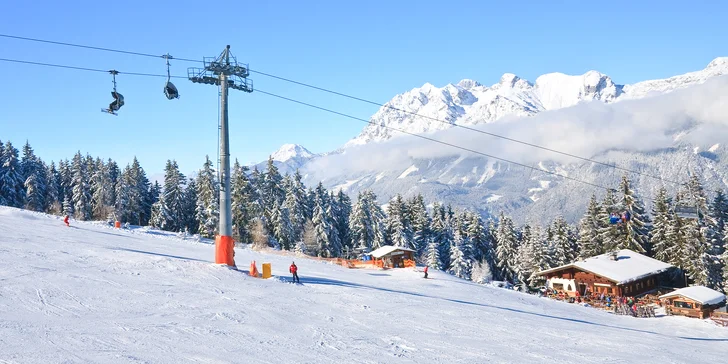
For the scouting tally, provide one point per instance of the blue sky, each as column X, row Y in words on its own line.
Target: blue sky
column 371, row 49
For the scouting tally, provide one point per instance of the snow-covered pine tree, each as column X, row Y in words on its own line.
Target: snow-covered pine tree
column 589, row 225
column 282, row 229
column 102, row 189
column 442, row 234
column 295, row 202
column 609, row 235
column 566, row 248
column 122, row 191
column 724, row 257
column 207, row 204
column 420, row 221
column 34, row 179
column 460, row 252
column 81, row 188
column 171, row 205
column 272, row 191
column 114, row 173
column 53, row 187
column 190, row 222
column 360, row 226
column 343, row 211
column 506, row 248
column 699, row 260
column 323, row 226
column 257, row 182
column 525, row 255
column 659, row 240
column 378, row 219
column 12, row 191
column 64, row 170
column 242, row 203
column 719, row 214
column 542, row 258
column 716, row 247
column 399, row 230
column 633, row 233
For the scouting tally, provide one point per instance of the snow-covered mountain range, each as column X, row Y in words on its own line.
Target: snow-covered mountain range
column 646, row 126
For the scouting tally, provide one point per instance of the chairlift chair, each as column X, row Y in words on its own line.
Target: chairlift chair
column 118, row 102
column 170, row 90
column 685, row 211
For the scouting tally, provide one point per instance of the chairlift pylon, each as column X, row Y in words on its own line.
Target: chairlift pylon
column 118, row 102
column 169, row 88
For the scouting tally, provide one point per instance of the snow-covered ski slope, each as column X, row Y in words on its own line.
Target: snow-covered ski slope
column 94, row 294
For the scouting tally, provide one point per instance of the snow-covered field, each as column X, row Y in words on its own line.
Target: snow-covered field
column 94, row 294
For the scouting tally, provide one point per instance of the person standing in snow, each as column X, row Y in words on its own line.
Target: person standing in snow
column 426, row 271
column 65, row 220
column 294, row 270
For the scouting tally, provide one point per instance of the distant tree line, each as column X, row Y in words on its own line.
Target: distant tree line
column 270, row 209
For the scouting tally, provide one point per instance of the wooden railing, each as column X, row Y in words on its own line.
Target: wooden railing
column 721, row 318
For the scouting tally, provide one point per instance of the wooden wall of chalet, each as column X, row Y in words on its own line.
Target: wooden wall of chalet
column 598, row 284
column 696, row 310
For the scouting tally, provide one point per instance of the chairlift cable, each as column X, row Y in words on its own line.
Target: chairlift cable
column 364, row 101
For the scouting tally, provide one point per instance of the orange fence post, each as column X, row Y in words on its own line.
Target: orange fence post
column 117, row 224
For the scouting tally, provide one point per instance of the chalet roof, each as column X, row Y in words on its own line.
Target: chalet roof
column 700, row 294
column 629, row 266
column 382, row 251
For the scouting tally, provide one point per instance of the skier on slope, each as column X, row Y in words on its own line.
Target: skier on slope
column 65, row 220
column 294, row 270
column 426, row 271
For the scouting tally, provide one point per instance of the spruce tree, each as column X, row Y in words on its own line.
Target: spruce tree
column 12, row 191
column 282, row 229
column 589, row 244
column 420, row 222
column 378, row 219
column 81, row 188
column 295, row 202
column 34, row 179
column 53, row 189
column 566, row 248
column 190, row 223
column 171, row 210
column 207, row 204
column 609, row 234
column 102, row 191
column 399, row 230
column 242, row 203
column 506, row 248
column 633, row 232
column 442, row 234
column 659, row 240
column 325, row 239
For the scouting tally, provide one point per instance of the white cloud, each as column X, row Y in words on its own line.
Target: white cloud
column 584, row 130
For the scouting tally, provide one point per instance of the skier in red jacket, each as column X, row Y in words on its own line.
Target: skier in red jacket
column 65, row 219
column 294, row 270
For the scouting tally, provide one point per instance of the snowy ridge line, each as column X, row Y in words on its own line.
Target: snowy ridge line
column 430, row 139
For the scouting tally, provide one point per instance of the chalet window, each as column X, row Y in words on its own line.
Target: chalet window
column 558, row 286
column 681, row 304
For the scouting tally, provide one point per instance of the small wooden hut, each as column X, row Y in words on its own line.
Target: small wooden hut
column 394, row 256
column 695, row 301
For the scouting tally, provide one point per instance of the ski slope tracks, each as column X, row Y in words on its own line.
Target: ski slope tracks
column 93, row 294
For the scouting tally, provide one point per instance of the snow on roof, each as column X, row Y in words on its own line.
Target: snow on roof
column 701, row 294
column 628, row 267
column 382, row 251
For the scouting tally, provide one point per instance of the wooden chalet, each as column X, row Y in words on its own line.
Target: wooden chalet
column 394, row 256
column 695, row 301
column 622, row 273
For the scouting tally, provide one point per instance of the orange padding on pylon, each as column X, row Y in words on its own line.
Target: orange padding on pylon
column 224, row 250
